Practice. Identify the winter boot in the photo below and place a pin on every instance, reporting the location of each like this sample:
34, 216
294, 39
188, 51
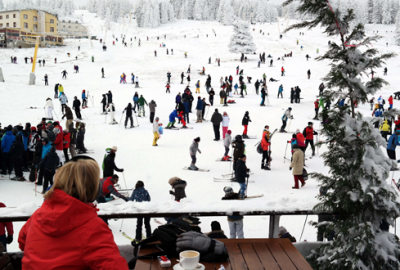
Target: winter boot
244, 136
313, 153
22, 179
192, 167
15, 178
267, 168
262, 166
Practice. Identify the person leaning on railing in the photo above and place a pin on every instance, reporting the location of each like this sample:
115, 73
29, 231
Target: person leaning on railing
65, 232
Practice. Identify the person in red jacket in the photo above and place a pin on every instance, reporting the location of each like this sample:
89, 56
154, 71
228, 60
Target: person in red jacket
10, 231
66, 142
65, 232
390, 100
265, 143
301, 142
58, 144
310, 137
316, 106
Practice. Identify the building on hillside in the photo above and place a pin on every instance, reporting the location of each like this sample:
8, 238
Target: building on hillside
71, 28
18, 27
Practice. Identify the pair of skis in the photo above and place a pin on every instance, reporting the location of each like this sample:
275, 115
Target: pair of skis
230, 177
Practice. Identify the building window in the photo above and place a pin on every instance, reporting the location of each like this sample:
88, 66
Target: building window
1, 17
25, 25
14, 16
34, 18
51, 29
51, 21
7, 25
35, 27
14, 24
64, 26
7, 16
25, 16
69, 26
1, 25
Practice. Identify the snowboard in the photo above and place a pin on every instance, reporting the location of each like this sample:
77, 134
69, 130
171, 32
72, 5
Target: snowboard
199, 170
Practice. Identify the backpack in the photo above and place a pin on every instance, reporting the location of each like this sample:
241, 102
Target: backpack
259, 148
305, 175
167, 235
383, 101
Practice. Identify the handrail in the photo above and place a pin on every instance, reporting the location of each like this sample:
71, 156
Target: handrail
177, 214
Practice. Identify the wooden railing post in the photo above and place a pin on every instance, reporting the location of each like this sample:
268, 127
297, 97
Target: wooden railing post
273, 226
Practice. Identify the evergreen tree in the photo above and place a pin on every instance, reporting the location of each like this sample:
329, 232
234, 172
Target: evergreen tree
386, 13
370, 11
356, 185
225, 13
242, 41
397, 32
377, 12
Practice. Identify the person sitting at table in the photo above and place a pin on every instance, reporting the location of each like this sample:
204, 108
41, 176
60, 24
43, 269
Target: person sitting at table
283, 233
216, 231
235, 222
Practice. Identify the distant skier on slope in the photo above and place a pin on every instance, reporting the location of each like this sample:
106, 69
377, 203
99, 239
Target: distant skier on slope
194, 148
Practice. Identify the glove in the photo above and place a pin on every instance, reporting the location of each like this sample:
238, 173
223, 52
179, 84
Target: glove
10, 238
290, 168
247, 175
315, 133
291, 117
171, 192
122, 170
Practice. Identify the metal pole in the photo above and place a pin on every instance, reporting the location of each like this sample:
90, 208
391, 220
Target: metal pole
121, 118
35, 54
284, 158
85, 115
124, 180
122, 223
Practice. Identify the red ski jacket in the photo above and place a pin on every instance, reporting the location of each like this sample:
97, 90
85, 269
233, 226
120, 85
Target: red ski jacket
390, 100
67, 140
309, 133
6, 225
58, 143
66, 233
264, 141
300, 140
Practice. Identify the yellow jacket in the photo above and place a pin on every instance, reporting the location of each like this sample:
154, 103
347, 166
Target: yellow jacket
385, 126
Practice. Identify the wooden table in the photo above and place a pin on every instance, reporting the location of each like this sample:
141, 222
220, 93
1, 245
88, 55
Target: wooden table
244, 254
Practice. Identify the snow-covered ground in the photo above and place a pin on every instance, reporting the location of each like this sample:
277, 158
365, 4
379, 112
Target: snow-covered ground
155, 165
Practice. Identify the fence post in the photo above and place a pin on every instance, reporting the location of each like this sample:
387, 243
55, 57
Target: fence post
273, 226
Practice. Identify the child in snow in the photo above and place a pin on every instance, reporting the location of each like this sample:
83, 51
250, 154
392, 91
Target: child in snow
140, 194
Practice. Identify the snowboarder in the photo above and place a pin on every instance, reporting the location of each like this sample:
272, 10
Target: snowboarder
128, 116
194, 148
64, 74
285, 117
245, 123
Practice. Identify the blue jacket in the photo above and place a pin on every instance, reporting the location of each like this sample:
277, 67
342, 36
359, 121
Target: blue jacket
236, 86
378, 114
393, 142
173, 115
341, 103
46, 148
140, 195
135, 99
199, 105
280, 89
7, 141
63, 99
186, 105
83, 95
25, 139
178, 99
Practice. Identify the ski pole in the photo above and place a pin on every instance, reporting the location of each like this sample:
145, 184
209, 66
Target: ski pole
289, 124
35, 182
207, 112
124, 180
45, 114
122, 223
284, 158
85, 115
121, 118
137, 120
105, 119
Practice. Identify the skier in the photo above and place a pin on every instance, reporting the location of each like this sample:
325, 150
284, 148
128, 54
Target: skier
385, 71
282, 71
237, 70
280, 90
194, 148
64, 101
136, 101
155, 53
69, 115
392, 144
309, 134
372, 73
241, 173
60, 89
239, 149
167, 88
245, 123
199, 108
137, 82
385, 129
216, 120
225, 124
188, 79
198, 87
152, 107
316, 107
102, 72
390, 100
179, 186
111, 109
50, 107
156, 131
271, 63
297, 166
227, 144
371, 102
56, 91
188, 70
169, 76
285, 117
208, 83
309, 74
236, 89
273, 80
307, 56
257, 86
321, 89
297, 95
211, 94
265, 143
64, 74
46, 82
133, 78
128, 116
76, 105
182, 77
84, 100
141, 102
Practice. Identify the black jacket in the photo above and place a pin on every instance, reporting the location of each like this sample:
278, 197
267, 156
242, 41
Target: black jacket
179, 190
109, 98
81, 135
76, 104
104, 100
50, 161
109, 165
216, 119
17, 150
181, 107
217, 234
241, 171
72, 131
246, 120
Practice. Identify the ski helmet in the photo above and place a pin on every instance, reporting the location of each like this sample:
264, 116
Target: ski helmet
228, 190
238, 138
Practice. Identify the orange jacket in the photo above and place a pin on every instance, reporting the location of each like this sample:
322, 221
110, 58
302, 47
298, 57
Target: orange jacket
265, 140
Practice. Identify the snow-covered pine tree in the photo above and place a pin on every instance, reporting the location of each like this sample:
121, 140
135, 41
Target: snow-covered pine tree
225, 14
397, 32
370, 4
386, 13
261, 13
357, 189
394, 8
1, 5
377, 12
242, 40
